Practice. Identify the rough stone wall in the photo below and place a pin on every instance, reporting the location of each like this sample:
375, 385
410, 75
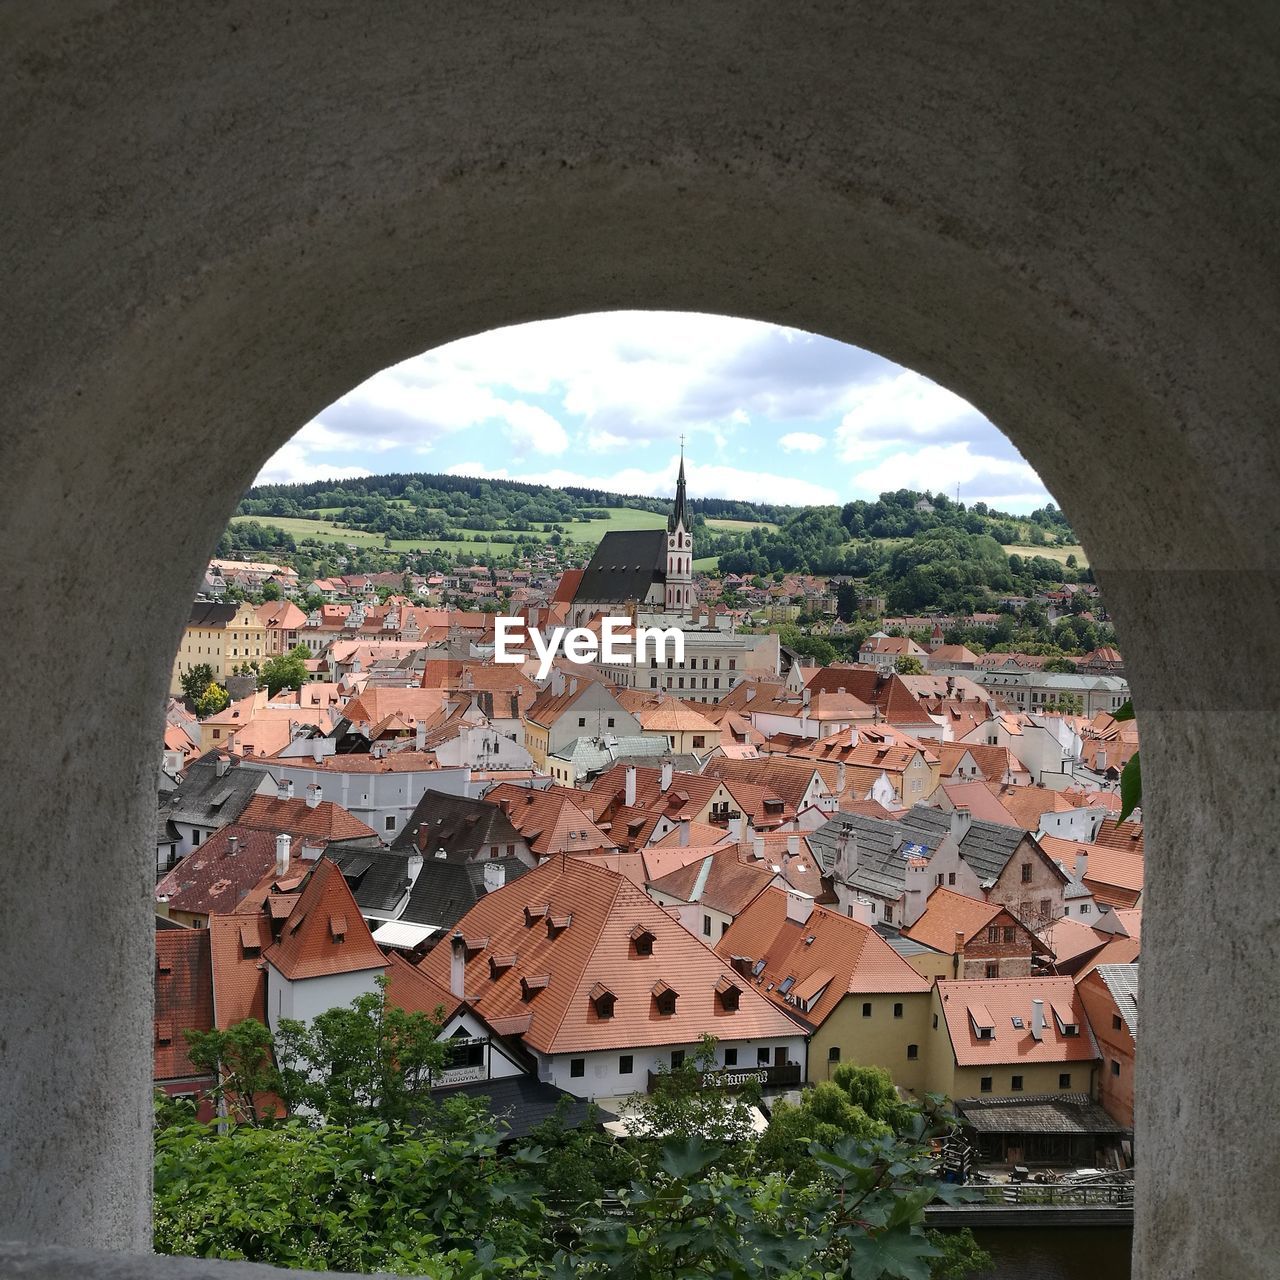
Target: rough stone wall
217, 219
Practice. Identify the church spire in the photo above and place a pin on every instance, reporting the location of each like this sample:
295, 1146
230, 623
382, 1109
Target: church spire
678, 515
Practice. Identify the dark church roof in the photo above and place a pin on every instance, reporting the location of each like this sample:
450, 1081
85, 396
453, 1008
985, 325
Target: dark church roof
626, 564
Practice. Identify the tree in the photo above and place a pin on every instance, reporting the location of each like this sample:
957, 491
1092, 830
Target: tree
270, 591
214, 699
369, 1060
196, 681
285, 670
241, 1061
907, 664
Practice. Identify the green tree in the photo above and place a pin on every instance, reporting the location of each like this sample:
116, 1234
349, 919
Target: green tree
285, 670
214, 699
242, 1063
196, 681
907, 664
270, 591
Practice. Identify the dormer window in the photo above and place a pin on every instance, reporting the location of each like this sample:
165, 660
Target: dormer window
533, 914
664, 999
530, 986
602, 1000
474, 946
728, 993
498, 965
642, 939
984, 1026
1067, 1025
338, 928
556, 925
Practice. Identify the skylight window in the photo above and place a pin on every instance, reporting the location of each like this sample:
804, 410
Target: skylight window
757, 969
786, 984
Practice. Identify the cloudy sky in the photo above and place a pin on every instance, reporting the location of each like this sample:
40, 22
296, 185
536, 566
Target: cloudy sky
770, 414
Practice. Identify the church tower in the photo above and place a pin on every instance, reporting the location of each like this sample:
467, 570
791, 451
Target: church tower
679, 591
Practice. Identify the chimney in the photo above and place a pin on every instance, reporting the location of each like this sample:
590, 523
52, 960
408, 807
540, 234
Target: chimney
282, 855
420, 736
740, 825
413, 867
799, 906
757, 845
220, 767
284, 789
667, 770
1082, 865
458, 965
315, 793
804, 698
840, 778
1037, 1019
317, 750
960, 820
751, 693
684, 833
232, 843
629, 792
793, 845
495, 876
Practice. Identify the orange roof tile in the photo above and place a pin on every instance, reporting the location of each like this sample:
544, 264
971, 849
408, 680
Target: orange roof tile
947, 913
325, 933
856, 956
324, 821
996, 1002
1115, 876
217, 876
410, 989
604, 910
183, 999
721, 880
674, 715
239, 984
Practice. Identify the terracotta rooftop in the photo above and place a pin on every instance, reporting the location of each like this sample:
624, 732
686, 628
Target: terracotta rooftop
721, 880
966, 1005
854, 955
183, 999
239, 985
214, 878
674, 715
554, 970
550, 822
324, 821
946, 914
325, 933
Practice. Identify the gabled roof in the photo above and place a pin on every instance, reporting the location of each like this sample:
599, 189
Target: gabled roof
674, 715
1115, 876
551, 822
212, 614
446, 890
325, 933
1025, 805
1122, 981
946, 914
184, 999
986, 846
215, 878
236, 943
457, 824
602, 910
324, 821
1001, 1000
208, 798
887, 693
790, 779
721, 880
625, 565
844, 956
410, 989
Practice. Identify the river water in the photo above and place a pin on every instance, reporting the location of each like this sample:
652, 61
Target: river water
1057, 1253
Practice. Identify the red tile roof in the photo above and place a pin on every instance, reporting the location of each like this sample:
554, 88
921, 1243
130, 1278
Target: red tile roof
722, 880
549, 821
604, 910
239, 984
410, 989
213, 879
895, 701
324, 821
325, 933
1114, 876
997, 1001
184, 1000
855, 956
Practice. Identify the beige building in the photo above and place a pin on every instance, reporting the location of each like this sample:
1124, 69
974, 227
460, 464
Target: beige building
223, 635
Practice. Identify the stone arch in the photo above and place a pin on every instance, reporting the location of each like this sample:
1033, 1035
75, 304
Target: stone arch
220, 220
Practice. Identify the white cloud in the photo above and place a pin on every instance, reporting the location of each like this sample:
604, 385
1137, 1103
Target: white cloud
529, 427
290, 464
981, 478
801, 442
705, 481
902, 409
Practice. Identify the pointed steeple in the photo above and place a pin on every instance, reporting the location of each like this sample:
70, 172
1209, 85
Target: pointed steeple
678, 515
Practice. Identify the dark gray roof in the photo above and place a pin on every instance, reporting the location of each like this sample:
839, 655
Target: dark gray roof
1122, 982
523, 1102
986, 847
626, 564
883, 847
446, 890
206, 799
377, 877
1067, 1113
457, 825
212, 613
905, 946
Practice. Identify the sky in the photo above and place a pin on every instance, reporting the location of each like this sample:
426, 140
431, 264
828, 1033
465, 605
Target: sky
769, 414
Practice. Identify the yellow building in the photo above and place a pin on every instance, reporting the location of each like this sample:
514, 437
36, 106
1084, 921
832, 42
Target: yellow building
687, 730
223, 635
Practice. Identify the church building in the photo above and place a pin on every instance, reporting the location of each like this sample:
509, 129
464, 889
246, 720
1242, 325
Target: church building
650, 569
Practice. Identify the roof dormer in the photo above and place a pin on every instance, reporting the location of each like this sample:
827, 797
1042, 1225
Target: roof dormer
602, 1000
664, 998
642, 939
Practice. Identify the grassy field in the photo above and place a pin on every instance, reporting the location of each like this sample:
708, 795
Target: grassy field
741, 526
706, 564
1059, 554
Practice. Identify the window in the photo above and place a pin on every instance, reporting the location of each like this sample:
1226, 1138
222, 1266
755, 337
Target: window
993, 933
1115, 1067
706, 926
731, 1057
733, 664
951, 877
699, 740
935, 1022
653, 682
1010, 933
1116, 1022
677, 1059
582, 722
913, 1052
762, 1057
866, 1008
1084, 908
1064, 1080
833, 1054
897, 1009
985, 1084
1045, 907
1015, 1084
993, 969
1026, 873
888, 913
715, 680
938, 877
610, 722
390, 823
625, 1065
577, 1067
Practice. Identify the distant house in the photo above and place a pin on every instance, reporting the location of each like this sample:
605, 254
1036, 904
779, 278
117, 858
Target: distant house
183, 1001
983, 939
1110, 997
213, 792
